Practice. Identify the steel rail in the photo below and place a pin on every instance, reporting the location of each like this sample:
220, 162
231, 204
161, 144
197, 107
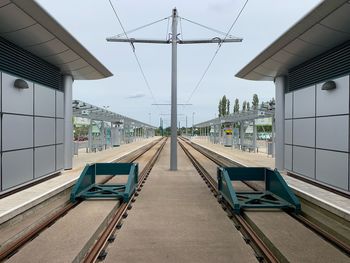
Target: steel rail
344, 247
258, 245
17, 244
98, 251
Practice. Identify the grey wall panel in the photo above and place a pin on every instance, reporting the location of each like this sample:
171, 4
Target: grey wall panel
288, 131
304, 161
59, 104
59, 156
59, 130
44, 161
44, 131
288, 105
333, 133
17, 132
44, 101
331, 102
304, 132
16, 100
304, 102
332, 168
288, 157
17, 168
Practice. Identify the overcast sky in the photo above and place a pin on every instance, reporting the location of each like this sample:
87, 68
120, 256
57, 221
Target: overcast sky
91, 21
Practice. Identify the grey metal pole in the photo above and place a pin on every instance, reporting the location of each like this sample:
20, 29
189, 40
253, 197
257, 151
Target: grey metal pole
173, 145
186, 125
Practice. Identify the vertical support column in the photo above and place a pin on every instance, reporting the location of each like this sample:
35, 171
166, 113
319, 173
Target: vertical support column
273, 136
241, 133
173, 145
90, 137
254, 135
68, 121
280, 84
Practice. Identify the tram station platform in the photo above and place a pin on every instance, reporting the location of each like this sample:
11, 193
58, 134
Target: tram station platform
177, 219
332, 202
17, 203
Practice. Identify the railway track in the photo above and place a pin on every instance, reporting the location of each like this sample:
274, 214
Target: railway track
265, 249
97, 248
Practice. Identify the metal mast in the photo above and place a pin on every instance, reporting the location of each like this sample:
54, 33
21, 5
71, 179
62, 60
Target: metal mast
173, 145
174, 41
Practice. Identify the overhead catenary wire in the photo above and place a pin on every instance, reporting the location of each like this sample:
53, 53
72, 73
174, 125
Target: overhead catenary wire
206, 27
134, 52
141, 27
216, 52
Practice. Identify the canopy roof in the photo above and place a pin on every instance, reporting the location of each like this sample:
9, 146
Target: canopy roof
325, 27
26, 24
238, 117
86, 110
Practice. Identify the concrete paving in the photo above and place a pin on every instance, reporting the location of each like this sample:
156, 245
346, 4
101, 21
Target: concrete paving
70, 237
295, 242
332, 202
177, 219
17, 203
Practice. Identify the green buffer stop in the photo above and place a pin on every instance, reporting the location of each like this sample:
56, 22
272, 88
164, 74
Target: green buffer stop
277, 193
87, 188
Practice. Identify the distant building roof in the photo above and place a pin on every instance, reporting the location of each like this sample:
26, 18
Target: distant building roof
323, 28
26, 24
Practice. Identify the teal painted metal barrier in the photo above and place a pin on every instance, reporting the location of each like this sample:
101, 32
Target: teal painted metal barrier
86, 186
277, 193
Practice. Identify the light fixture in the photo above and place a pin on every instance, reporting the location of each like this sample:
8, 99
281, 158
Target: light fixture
20, 84
329, 85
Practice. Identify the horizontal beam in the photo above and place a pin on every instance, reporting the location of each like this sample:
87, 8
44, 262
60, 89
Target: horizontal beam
208, 41
159, 41
133, 40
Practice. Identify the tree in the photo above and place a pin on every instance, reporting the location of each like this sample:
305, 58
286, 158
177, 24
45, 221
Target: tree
244, 106
236, 106
228, 107
255, 102
223, 105
248, 106
219, 107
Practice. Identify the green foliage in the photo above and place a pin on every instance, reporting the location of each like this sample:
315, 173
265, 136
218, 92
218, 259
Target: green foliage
248, 106
236, 106
244, 106
255, 102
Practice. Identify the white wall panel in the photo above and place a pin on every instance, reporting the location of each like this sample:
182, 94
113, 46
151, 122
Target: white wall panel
288, 131
332, 168
59, 156
59, 104
44, 99
304, 161
304, 102
288, 157
16, 100
288, 105
333, 133
17, 132
304, 132
44, 131
59, 130
44, 160
331, 102
17, 167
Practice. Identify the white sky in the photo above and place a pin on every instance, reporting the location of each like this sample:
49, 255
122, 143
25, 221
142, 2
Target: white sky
90, 22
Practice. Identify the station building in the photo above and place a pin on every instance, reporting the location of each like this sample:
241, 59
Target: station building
39, 60
310, 66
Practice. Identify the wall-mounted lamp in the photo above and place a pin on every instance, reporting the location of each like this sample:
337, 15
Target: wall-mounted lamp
329, 85
20, 84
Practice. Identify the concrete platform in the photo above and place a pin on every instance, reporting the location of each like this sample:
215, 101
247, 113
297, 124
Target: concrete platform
332, 202
17, 203
177, 219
